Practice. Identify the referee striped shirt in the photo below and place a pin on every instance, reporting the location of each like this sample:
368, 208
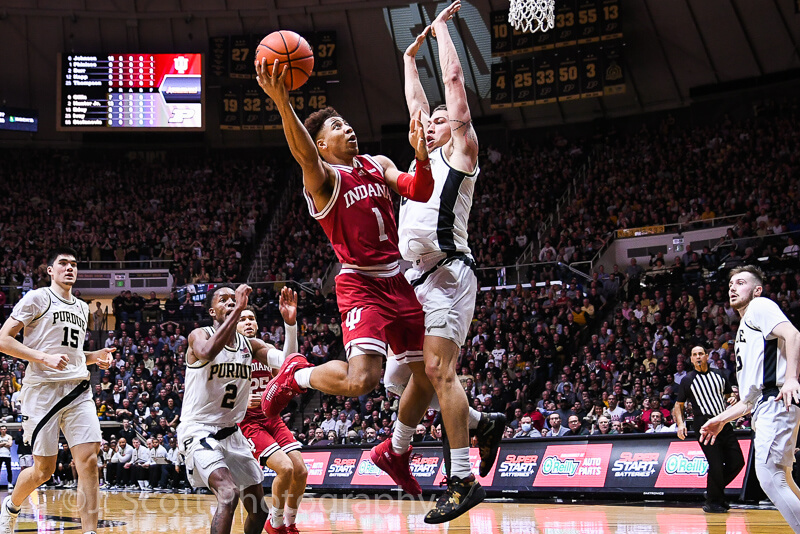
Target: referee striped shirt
706, 391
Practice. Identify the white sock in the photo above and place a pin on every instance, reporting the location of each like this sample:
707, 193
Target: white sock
303, 377
401, 438
276, 517
434, 404
289, 516
10, 505
473, 418
459, 461
141, 484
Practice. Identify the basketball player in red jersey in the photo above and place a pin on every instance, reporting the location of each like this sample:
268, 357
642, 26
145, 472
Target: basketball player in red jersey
349, 195
271, 441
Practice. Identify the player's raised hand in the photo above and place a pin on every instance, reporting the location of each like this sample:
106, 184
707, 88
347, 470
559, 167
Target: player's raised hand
56, 361
241, 294
272, 84
413, 48
287, 304
445, 15
789, 393
416, 137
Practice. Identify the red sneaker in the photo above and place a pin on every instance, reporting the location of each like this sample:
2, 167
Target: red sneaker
292, 529
283, 387
396, 466
272, 530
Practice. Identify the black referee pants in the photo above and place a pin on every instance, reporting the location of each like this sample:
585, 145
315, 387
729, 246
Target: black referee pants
725, 460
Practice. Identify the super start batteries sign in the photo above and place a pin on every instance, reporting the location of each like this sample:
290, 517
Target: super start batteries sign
646, 464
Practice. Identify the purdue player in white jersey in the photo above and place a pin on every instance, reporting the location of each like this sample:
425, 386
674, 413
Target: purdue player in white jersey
433, 236
767, 351
55, 394
216, 397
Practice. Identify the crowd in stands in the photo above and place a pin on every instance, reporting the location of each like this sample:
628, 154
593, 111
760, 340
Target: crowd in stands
598, 355
200, 215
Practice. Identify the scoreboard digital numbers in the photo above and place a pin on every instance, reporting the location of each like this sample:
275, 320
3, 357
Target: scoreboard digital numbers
581, 57
131, 92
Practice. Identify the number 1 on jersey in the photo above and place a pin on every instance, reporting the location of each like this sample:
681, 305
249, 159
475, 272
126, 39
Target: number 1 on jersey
381, 228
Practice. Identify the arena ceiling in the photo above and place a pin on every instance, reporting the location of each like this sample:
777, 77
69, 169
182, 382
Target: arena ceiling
671, 46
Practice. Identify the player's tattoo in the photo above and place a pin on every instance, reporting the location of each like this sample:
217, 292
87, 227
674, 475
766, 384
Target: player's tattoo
461, 124
469, 132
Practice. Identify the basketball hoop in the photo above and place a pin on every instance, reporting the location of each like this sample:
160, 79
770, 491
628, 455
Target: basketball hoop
532, 15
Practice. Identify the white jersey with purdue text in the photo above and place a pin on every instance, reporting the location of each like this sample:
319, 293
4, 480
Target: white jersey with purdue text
53, 326
217, 391
441, 223
760, 356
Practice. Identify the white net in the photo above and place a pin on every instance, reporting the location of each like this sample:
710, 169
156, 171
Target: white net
532, 15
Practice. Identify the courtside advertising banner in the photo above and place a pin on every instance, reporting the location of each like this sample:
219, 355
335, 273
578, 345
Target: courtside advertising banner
640, 464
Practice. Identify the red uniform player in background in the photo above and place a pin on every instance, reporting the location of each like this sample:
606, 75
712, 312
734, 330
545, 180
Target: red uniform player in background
271, 441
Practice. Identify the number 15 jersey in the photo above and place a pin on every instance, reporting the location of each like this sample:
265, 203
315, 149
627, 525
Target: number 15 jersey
359, 218
216, 392
53, 326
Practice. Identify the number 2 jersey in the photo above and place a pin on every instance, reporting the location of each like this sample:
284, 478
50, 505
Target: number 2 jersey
216, 392
760, 356
53, 326
359, 218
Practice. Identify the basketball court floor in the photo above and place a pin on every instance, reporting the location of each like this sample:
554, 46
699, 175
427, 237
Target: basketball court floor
189, 514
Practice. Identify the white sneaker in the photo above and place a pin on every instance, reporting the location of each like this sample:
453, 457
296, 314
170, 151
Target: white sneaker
7, 520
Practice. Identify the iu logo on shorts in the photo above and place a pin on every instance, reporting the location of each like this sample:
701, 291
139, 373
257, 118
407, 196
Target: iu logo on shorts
353, 318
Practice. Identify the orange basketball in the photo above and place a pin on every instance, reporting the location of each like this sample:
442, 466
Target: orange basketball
292, 50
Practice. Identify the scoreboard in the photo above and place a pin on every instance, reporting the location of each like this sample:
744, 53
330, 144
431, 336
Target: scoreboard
244, 106
247, 107
232, 56
132, 91
580, 57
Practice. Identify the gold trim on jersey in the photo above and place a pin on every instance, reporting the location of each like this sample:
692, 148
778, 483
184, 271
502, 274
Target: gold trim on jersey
466, 174
194, 365
74, 300
49, 304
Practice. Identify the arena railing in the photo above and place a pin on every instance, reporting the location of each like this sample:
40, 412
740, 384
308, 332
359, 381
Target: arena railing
134, 265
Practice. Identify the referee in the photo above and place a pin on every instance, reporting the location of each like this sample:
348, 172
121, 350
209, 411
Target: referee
706, 389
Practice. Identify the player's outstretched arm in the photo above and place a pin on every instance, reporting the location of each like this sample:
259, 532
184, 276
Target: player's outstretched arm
790, 391
419, 186
204, 347
415, 96
100, 357
318, 176
269, 355
465, 143
12, 347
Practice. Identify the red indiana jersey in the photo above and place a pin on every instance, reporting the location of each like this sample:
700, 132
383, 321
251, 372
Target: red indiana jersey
359, 218
260, 375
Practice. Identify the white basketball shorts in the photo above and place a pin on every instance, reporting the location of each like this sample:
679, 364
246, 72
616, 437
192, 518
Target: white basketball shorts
50, 406
204, 455
776, 432
448, 299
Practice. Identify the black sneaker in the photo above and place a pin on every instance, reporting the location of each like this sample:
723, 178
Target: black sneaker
461, 495
489, 433
714, 509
